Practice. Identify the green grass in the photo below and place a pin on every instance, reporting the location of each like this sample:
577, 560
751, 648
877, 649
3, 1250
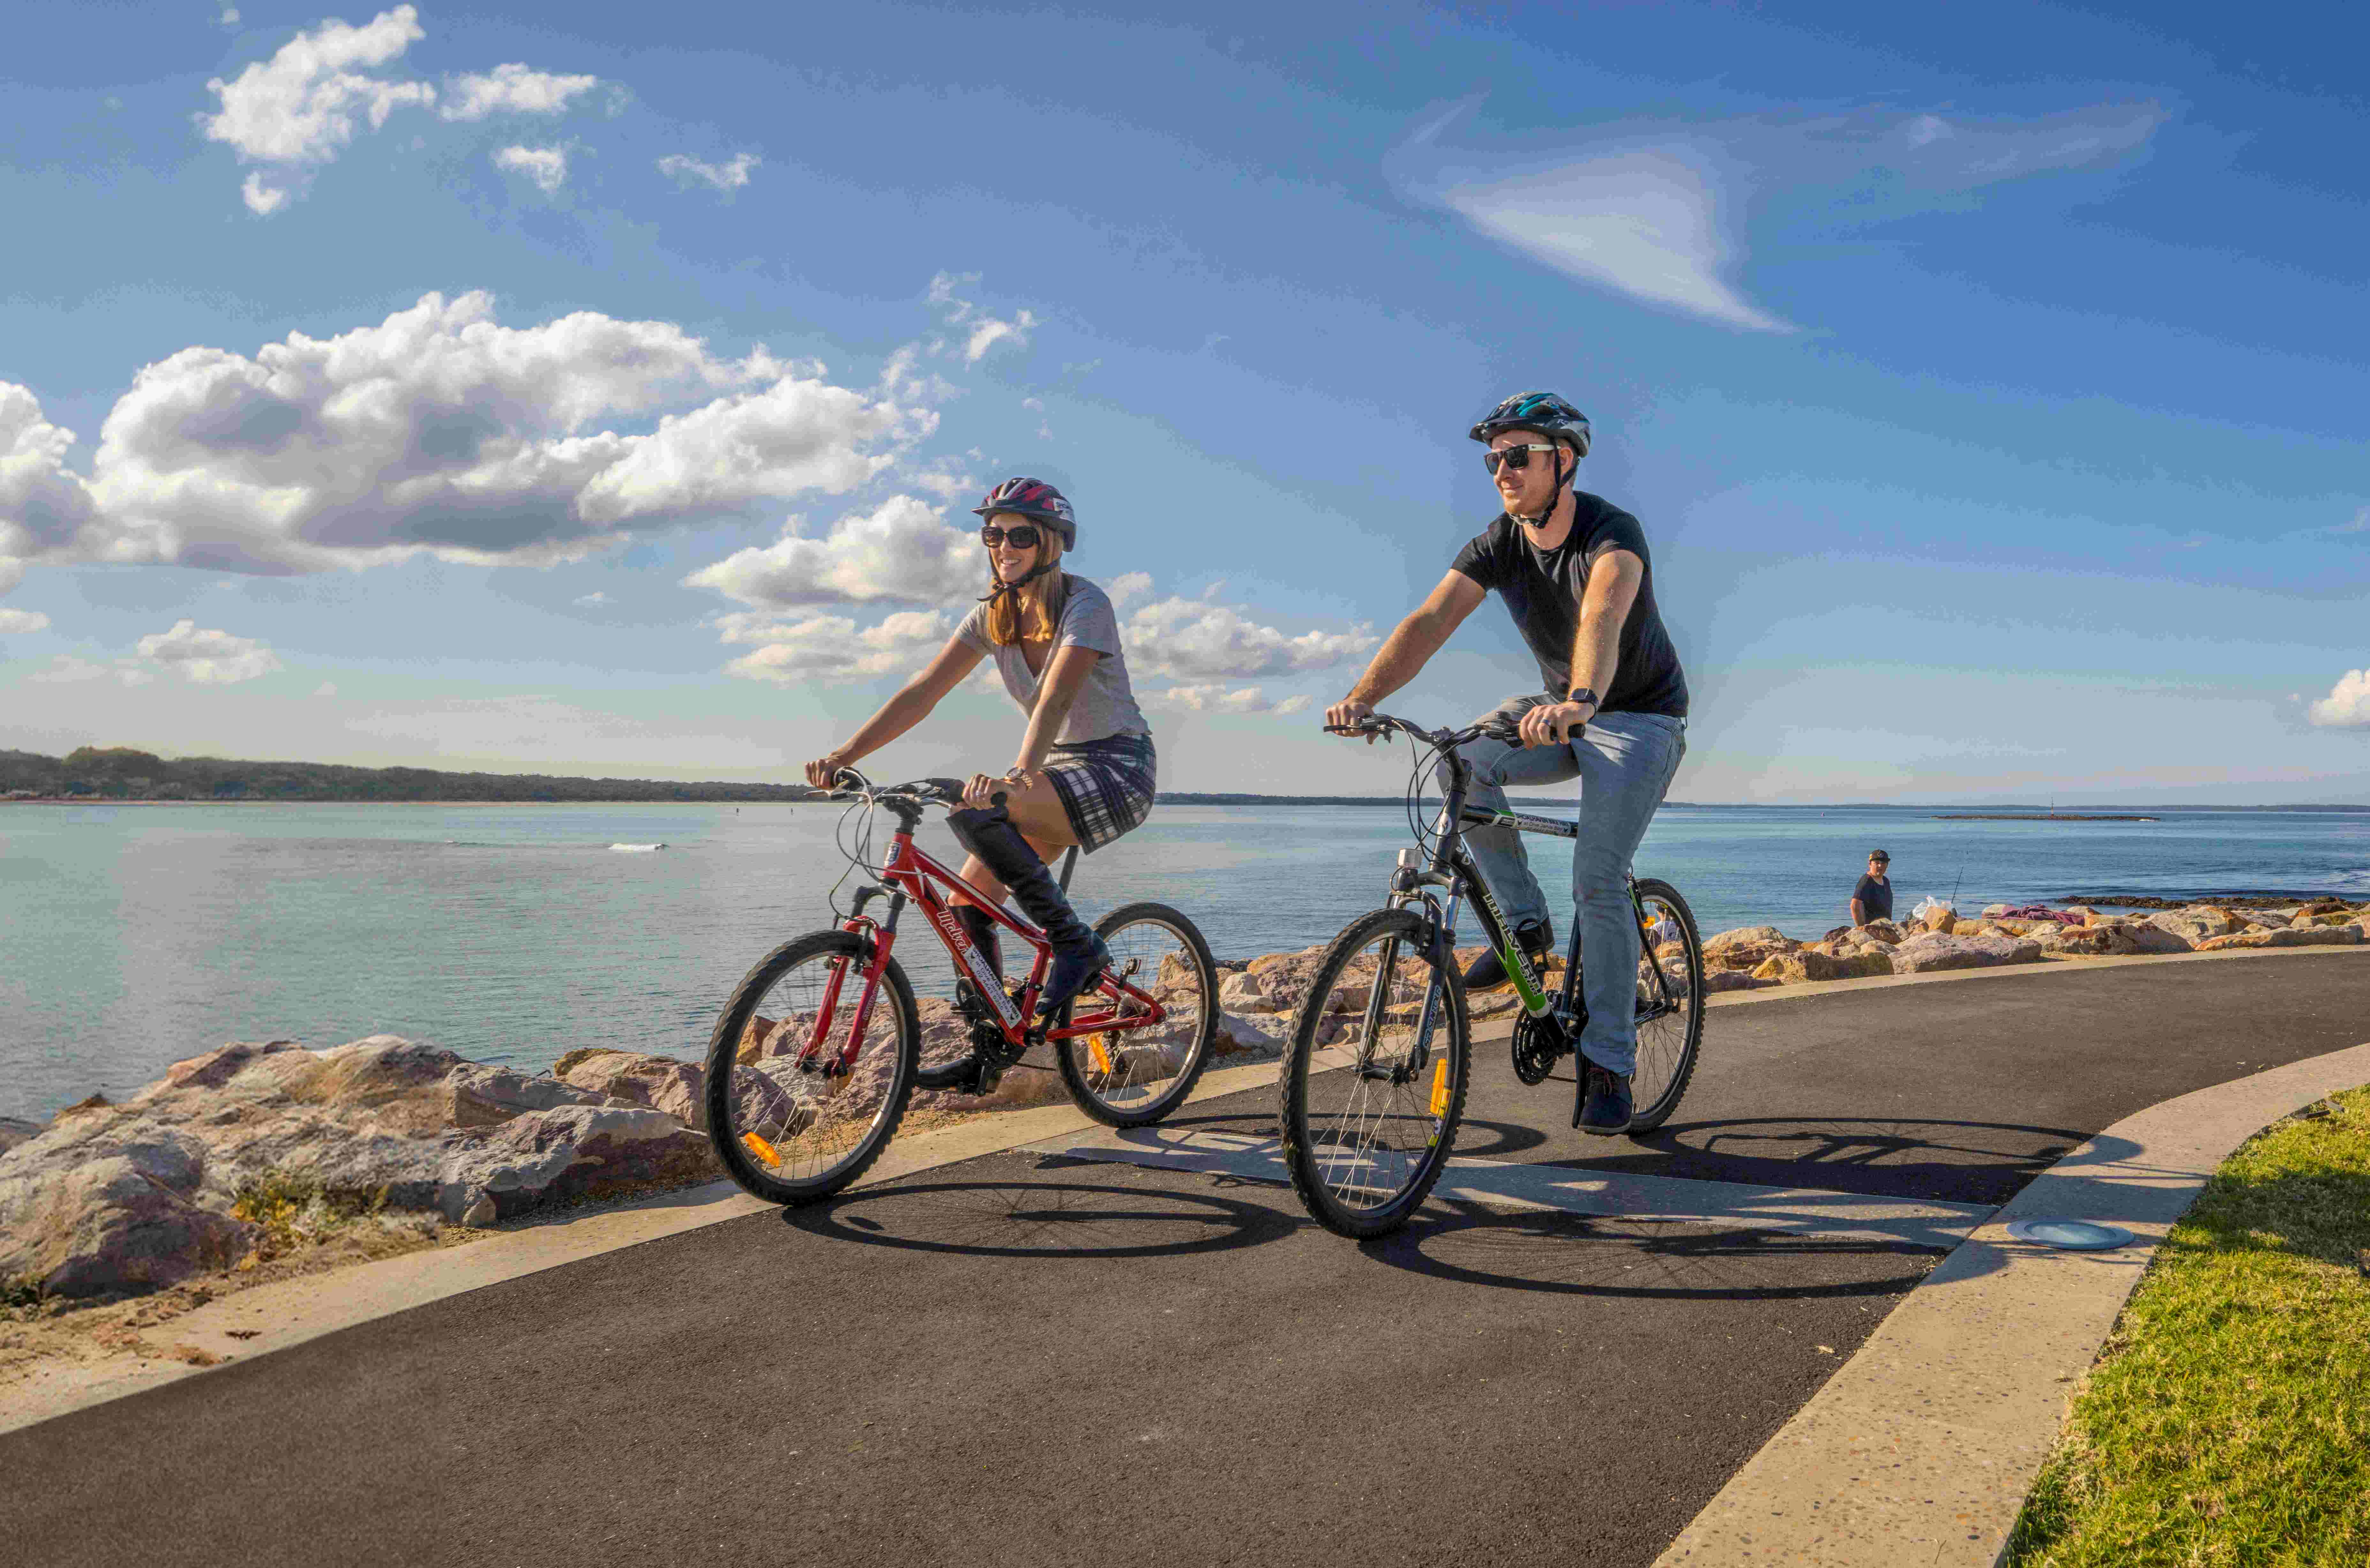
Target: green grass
2227, 1420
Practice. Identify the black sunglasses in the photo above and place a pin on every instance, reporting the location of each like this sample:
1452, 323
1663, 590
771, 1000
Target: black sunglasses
1514, 457
1023, 538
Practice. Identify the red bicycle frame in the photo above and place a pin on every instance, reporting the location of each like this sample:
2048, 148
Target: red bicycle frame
914, 876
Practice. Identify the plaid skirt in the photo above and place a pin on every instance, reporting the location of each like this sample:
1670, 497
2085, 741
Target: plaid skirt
1106, 786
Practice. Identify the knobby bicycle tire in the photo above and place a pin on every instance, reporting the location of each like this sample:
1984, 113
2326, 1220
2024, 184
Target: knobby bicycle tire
1074, 1056
1306, 1152
1646, 1118
724, 1045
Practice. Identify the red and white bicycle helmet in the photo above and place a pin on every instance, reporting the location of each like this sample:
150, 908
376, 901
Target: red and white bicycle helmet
1034, 498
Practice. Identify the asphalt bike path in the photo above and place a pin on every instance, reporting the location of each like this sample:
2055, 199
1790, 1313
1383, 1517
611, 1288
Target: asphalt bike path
1109, 1344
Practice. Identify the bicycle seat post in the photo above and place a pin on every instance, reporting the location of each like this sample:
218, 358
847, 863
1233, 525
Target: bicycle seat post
1069, 863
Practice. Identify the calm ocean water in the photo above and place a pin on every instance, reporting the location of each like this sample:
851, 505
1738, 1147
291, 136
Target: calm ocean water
134, 935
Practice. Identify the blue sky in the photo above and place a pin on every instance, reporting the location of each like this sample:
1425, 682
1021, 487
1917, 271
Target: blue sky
604, 392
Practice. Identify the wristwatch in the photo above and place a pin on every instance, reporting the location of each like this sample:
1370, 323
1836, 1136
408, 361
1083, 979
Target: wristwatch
1587, 694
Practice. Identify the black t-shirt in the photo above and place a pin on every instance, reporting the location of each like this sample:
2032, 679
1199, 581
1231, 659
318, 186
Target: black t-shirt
1543, 590
1874, 896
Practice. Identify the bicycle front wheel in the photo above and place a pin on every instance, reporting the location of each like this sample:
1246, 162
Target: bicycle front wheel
1670, 1004
805, 1085
1374, 1081
1131, 1078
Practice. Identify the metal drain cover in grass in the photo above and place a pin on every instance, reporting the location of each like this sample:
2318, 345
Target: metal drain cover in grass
2073, 1235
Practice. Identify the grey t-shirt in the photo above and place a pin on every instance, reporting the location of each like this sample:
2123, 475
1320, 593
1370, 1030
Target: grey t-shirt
1105, 706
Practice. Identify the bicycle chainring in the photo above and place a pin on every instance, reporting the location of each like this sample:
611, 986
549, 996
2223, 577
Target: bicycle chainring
1539, 1045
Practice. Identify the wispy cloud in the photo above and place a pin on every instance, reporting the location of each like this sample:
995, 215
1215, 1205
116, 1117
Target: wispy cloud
981, 331
208, 658
546, 167
724, 177
1658, 210
16, 623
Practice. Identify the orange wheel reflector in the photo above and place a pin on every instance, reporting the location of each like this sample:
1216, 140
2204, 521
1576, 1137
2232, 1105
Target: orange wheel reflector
762, 1150
1440, 1087
1095, 1049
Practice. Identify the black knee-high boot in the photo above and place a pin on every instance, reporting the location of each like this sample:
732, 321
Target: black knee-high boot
980, 927
1079, 954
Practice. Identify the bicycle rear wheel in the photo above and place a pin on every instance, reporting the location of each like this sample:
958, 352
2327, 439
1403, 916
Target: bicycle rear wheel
1131, 1078
1374, 1080
792, 1114
1670, 1007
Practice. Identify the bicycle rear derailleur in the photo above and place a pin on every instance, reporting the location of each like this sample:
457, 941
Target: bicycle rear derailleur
1539, 1045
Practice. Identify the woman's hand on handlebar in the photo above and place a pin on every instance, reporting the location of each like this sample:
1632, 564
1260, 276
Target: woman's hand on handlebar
823, 771
984, 791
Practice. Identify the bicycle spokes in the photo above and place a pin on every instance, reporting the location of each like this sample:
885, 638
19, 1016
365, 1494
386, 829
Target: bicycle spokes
815, 1070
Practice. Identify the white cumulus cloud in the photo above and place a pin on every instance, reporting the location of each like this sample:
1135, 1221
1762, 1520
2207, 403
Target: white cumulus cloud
438, 431
823, 649
17, 622
44, 506
512, 89
546, 167
2347, 705
687, 171
1218, 697
208, 658
1196, 641
902, 549
303, 105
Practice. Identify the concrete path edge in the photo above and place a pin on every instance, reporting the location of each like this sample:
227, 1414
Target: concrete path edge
1922, 1447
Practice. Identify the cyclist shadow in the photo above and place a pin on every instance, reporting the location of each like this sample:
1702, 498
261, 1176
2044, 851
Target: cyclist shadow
1006, 1218
1955, 1162
1571, 1254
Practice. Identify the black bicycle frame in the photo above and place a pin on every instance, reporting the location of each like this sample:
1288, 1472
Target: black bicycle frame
1453, 867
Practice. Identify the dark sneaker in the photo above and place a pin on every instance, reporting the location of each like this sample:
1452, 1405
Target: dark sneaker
1604, 1108
962, 1075
1488, 974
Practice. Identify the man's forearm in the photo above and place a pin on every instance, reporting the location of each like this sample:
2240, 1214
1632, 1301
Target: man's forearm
1595, 654
1859, 912
1403, 655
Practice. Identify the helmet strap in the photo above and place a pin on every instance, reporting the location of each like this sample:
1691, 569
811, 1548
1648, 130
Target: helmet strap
1563, 479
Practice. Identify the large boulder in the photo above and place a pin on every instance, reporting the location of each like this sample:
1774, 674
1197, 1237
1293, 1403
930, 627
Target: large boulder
2115, 939
2285, 936
571, 1153
1746, 948
2197, 923
660, 1083
99, 1205
130, 1197
1935, 950
1795, 968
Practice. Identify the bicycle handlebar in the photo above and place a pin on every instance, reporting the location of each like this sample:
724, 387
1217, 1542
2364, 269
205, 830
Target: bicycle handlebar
1445, 740
850, 785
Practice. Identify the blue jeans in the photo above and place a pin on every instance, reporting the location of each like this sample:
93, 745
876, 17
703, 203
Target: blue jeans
1624, 763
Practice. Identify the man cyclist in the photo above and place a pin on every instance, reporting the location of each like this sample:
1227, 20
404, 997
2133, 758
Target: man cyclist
1574, 571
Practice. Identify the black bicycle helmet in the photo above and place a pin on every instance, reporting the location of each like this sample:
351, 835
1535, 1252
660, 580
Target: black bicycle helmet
1035, 498
1541, 411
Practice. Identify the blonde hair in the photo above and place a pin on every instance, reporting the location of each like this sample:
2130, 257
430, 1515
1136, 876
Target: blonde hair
1030, 612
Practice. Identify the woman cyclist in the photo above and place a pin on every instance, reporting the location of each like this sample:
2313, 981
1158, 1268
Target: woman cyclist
1084, 774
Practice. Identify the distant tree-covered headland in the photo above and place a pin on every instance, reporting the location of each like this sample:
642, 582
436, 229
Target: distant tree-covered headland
119, 773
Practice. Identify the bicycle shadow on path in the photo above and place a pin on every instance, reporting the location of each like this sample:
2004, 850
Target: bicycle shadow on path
1571, 1254
1000, 1217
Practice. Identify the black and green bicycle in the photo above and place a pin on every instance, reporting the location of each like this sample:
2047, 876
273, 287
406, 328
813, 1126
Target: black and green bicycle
1381, 1050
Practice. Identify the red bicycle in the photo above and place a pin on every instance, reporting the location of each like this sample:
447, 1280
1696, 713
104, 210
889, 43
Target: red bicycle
815, 1054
